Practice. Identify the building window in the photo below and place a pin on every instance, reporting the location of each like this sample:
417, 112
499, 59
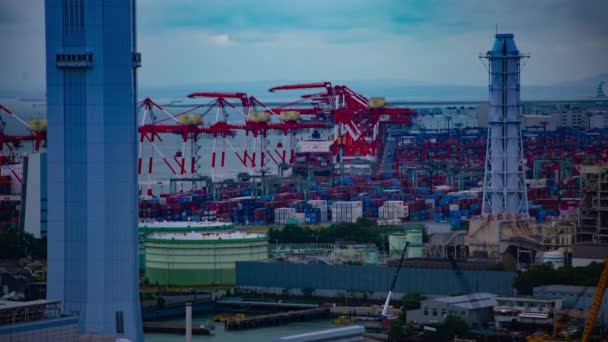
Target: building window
426, 312
463, 313
443, 312
434, 312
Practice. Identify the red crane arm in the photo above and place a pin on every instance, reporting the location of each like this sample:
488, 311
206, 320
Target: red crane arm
5, 109
326, 85
149, 103
220, 95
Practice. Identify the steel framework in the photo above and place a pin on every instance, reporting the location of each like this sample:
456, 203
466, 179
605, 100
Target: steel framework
504, 188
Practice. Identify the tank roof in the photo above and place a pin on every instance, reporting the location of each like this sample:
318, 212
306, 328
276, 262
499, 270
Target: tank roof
184, 224
203, 236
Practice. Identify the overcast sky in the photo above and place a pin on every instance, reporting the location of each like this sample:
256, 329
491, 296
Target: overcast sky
193, 41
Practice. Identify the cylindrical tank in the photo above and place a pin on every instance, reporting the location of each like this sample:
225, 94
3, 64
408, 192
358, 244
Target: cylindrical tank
415, 252
200, 258
396, 242
555, 258
370, 256
146, 228
414, 237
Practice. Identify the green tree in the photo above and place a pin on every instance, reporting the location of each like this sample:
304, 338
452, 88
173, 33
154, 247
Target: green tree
15, 245
308, 292
411, 301
454, 325
396, 330
545, 275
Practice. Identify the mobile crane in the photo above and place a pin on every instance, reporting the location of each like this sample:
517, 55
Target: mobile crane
596, 304
384, 314
593, 310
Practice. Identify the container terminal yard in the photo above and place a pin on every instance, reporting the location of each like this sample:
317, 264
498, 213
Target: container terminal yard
395, 221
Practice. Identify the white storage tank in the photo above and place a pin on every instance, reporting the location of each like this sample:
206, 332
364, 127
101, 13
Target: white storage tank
454, 207
396, 242
415, 252
370, 256
414, 237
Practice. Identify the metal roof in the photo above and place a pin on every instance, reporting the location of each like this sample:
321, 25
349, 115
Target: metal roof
565, 288
470, 301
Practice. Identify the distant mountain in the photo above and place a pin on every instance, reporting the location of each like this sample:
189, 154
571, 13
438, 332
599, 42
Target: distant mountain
401, 89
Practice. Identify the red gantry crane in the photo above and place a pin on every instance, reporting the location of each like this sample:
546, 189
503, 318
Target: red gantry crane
358, 121
13, 143
253, 118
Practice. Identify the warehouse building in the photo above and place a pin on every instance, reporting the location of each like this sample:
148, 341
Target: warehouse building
475, 309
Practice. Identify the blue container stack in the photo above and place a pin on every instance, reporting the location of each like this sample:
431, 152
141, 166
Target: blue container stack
311, 215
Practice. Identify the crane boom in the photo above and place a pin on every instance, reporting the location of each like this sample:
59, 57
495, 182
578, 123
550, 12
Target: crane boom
395, 277
597, 302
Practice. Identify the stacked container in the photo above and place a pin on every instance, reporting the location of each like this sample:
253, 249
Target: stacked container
392, 210
322, 206
284, 215
346, 211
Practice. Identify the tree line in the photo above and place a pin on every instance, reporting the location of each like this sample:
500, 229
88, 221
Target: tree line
15, 245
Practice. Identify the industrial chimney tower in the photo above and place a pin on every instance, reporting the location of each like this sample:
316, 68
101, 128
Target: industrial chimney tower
504, 187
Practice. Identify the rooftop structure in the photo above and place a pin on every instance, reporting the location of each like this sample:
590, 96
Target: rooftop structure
504, 190
91, 63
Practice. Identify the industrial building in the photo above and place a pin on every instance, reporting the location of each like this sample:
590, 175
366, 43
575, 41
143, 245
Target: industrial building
573, 298
36, 321
475, 309
592, 224
574, 118
591, 234
200, 258
525, 310
91, 61
351, 253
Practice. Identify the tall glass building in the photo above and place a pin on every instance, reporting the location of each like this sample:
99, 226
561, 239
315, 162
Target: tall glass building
91, 63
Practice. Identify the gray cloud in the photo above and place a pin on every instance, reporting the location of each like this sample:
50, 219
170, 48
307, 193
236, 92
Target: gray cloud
436, 41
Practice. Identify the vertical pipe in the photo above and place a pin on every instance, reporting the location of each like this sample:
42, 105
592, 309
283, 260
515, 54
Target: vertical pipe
188, 322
